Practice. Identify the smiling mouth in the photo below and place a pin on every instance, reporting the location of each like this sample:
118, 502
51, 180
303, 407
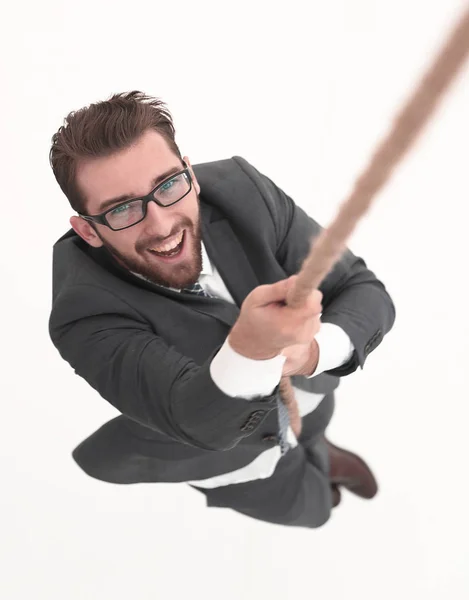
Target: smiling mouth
171, 253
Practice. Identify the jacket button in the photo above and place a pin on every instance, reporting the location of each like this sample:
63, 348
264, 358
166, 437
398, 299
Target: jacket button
270, 438
253, 421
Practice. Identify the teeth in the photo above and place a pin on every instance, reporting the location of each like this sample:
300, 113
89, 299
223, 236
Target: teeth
171, 246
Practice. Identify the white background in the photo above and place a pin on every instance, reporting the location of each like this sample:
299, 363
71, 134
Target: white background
304, 91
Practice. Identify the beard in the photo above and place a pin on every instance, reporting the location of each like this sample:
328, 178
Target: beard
179, 275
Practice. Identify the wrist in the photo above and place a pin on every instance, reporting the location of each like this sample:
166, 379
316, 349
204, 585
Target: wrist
311, 365
241, 345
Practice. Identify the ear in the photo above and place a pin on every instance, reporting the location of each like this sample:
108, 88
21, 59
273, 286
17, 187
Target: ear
194, 178
85, 230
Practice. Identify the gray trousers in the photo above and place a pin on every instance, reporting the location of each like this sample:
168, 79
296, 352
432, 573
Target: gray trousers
298, 493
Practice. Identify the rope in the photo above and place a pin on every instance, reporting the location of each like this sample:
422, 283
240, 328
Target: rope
329, 245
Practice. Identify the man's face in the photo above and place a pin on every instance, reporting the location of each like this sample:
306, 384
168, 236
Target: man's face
132, 172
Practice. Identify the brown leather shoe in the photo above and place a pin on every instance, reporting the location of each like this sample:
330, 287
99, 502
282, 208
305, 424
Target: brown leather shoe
349, 470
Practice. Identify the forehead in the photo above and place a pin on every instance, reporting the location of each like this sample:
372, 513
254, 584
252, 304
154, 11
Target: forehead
128, 171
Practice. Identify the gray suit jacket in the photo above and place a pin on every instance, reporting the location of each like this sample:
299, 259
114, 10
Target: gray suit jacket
147, 350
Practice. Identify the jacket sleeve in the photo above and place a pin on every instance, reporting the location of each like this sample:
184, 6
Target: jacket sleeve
353, 298
149, 381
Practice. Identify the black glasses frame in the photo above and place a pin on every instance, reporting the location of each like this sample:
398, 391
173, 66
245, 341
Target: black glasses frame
102, 220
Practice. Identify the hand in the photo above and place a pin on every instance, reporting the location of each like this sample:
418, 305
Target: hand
302, 359
266, 324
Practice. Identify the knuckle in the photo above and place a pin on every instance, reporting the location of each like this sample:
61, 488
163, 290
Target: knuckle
318, 297
313, 305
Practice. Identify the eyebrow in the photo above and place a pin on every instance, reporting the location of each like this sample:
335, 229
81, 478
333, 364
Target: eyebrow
154, 182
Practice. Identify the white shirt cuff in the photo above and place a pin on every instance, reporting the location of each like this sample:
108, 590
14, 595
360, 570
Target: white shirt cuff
335, 348
237, 375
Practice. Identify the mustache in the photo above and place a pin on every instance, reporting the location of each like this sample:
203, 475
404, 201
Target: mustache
152, 242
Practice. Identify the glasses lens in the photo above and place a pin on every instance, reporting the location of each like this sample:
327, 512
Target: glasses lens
125, 214
173, 189
130, 213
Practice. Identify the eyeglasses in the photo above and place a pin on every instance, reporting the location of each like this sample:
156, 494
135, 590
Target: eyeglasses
131, 212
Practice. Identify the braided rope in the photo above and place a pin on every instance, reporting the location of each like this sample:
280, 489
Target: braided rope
327, 248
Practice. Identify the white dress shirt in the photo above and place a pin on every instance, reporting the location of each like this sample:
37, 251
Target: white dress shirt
236, 375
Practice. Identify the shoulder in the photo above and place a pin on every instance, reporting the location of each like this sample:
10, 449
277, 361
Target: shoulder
235, 168
238, 180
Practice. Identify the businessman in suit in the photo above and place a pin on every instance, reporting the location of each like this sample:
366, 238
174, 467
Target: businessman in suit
149, 291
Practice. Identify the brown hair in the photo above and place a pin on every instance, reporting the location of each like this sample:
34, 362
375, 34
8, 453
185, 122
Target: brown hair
103, 128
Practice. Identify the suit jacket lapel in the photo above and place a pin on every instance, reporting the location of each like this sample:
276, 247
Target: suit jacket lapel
227, 254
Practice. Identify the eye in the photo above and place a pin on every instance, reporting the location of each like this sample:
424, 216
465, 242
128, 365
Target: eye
120, 209
167, 186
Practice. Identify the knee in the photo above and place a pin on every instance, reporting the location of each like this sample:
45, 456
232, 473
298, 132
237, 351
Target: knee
313, 511
319, 517
310, 521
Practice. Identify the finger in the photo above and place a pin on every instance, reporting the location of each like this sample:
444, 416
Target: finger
276, 292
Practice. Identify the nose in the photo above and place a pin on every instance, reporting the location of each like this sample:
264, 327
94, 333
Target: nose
153, 210
159, 219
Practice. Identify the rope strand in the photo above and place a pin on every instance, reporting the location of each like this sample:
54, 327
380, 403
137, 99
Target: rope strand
328, 247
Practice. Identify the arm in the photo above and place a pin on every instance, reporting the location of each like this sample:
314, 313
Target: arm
108, 344
353, 298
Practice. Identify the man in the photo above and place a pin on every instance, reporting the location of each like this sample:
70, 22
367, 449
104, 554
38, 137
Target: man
149, 284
